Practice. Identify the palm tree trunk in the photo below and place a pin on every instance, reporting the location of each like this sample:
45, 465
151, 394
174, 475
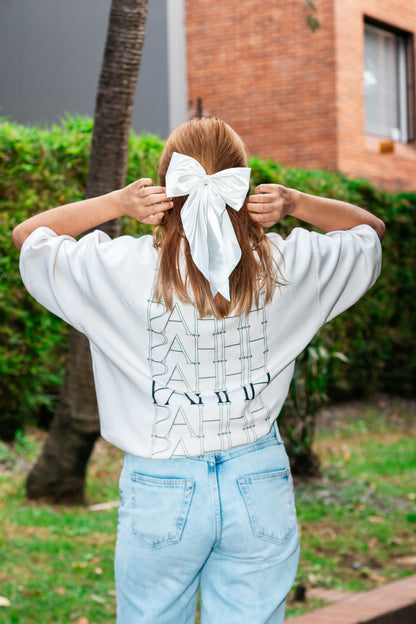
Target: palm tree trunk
59, 473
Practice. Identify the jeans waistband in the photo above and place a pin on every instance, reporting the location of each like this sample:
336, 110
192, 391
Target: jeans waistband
272, 437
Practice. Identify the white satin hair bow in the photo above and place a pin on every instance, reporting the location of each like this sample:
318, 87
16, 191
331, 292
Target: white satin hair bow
212, 240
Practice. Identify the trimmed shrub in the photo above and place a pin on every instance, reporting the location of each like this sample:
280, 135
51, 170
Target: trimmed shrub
377, 333
44, 167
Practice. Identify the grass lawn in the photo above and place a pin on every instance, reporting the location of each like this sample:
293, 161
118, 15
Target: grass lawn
358, 522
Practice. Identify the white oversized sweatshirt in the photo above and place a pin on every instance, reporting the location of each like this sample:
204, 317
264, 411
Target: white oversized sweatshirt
172, 384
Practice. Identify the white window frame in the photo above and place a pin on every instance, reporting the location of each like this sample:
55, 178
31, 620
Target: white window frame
401, 131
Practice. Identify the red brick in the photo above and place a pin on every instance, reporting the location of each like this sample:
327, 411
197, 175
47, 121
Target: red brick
364, 607
295, 96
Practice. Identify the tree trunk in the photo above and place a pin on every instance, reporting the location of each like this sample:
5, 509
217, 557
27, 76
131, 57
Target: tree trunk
59, 473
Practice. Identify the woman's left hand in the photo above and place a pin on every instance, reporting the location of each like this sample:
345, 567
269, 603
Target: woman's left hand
141, 200
145, 202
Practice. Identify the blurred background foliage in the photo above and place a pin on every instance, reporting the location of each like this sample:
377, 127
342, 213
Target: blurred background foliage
367, 350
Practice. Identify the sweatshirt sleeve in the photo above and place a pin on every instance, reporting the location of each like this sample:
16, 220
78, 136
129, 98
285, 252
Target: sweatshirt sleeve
347, 264
53, 271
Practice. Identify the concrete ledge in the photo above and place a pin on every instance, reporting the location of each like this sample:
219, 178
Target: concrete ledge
394, 603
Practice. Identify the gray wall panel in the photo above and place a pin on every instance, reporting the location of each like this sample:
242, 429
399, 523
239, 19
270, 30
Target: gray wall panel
50, 58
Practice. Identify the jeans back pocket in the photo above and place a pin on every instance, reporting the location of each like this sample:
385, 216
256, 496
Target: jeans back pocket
159, 509
270, 504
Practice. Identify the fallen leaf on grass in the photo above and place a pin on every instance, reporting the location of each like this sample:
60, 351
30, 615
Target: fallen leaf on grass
112, 592
102, 474
83, 620
80, 564
32, 592
4, 602
373, 543
96, 598
395, 541
60, 590
104, 506
98, 570
376, 519
373, 576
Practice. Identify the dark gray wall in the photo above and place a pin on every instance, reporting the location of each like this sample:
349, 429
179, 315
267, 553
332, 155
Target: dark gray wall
50, 59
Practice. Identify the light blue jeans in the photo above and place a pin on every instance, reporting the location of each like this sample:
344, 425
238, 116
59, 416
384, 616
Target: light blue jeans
224, 522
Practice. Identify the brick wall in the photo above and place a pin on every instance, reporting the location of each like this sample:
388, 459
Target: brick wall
359, 155
295, 96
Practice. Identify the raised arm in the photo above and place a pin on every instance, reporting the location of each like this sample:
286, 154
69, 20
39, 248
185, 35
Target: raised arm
272, 202
140, 200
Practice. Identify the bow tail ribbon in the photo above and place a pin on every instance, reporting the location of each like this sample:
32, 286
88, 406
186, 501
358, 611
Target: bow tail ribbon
224, 255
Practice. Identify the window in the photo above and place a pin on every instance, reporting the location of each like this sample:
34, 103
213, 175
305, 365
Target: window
389, 99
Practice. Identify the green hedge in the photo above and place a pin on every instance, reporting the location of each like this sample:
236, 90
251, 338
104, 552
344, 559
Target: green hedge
41, 168
44, 167
377, 334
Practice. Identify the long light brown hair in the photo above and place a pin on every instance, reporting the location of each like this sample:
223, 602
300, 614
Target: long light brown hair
215, 145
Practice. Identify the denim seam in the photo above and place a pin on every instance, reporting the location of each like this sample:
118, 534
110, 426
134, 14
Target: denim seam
216, 458
213, 477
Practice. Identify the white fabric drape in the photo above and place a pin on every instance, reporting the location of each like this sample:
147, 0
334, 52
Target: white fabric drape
212, 240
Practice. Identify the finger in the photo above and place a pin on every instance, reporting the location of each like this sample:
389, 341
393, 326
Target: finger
163, 206
143, 182
263, 209
148, 190
151, 200
157, 208
264, 216
265, 188
262, 221
256, 216
154, 219
264, 198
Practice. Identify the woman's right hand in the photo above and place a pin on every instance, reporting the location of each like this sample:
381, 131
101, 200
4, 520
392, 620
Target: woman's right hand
270, 203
